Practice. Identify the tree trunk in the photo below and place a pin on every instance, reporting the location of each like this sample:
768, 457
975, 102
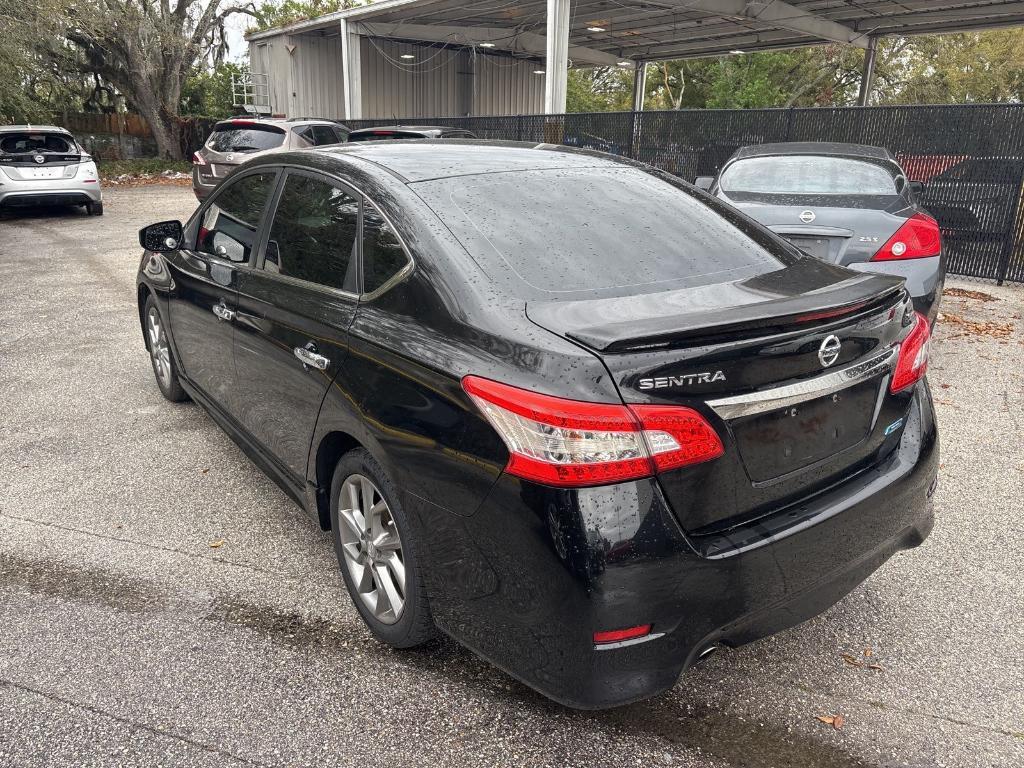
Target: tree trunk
166, 131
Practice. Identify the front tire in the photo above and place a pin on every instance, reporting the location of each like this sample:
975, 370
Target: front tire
377, 552
160, 356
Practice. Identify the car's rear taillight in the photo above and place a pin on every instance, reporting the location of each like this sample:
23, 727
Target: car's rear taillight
569, 443
197, 159
917, 238
912, 362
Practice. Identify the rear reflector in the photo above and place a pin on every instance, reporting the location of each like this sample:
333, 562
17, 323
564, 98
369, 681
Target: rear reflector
912, 362
918, 238
618, 635
571, 443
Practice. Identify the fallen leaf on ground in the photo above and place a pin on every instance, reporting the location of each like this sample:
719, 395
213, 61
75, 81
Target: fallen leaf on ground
868, 652
852, 660
944, 386
976, 328
836, 721
217, 544
206, 470
964, 293
876, 667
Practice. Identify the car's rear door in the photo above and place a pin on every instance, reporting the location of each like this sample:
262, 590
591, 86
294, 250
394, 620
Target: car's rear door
294, 311
220, 243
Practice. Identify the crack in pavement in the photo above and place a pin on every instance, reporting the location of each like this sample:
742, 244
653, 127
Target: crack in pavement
132, 723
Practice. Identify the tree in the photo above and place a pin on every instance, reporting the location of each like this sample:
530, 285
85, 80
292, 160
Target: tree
273, 14
207, 92
145, 49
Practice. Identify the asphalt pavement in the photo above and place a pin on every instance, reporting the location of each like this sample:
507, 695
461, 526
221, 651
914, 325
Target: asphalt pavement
163, 603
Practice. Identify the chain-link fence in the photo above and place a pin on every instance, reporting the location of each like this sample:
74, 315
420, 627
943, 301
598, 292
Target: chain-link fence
970, 157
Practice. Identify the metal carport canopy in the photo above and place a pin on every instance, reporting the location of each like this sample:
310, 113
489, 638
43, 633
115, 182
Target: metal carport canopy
606, 32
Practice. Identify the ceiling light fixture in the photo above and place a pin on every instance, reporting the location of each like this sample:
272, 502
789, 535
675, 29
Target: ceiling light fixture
736, 52
407, 56
538, 71
596, 29
625, 63
486, 45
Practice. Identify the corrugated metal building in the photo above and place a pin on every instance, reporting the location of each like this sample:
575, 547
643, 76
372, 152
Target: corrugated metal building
305, 77
450, 58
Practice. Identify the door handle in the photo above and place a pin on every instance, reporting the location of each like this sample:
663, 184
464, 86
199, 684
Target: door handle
221, 311
309, 357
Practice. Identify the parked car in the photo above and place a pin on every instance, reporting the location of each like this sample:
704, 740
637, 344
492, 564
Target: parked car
45, 165
238, 139
389, 132
844, 204
590, 422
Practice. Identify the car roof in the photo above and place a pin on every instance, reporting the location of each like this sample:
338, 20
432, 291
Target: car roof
410, 128
423, 159
279, 122
31, 128
833, 148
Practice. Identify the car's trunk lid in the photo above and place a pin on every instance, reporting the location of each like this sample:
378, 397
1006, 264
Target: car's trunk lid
840, 229
753, 356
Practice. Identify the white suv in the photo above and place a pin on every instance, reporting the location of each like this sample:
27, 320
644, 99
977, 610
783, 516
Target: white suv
45, 165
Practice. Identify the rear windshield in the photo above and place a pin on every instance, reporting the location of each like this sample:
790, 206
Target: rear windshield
383, 135
247, 137
807, 175
14, 143
598, 229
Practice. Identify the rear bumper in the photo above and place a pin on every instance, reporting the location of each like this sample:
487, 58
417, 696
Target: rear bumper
925, 279
21, 195
528, 578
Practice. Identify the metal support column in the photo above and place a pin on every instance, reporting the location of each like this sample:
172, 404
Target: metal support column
351, 74
639, 85
556, 66
868, 73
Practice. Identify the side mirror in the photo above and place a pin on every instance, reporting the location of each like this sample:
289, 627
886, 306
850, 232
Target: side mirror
704, 182
917, 187
161, 237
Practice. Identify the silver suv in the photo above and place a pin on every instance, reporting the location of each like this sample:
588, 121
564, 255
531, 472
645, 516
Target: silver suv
45, 165
239, 139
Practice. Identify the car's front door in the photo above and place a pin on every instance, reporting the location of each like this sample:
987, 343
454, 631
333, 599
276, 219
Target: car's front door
220, 242
294, 311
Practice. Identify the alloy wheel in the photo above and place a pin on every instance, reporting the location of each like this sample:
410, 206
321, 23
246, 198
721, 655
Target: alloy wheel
158, 348
372, 548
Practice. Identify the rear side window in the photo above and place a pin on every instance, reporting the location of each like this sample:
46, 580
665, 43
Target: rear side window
16, 143
313, 236
229, 224
323, 134
807, 175
245, 136
598, 229
383, 255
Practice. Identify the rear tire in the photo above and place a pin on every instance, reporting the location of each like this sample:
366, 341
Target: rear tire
164, 367
94, 209
377, 552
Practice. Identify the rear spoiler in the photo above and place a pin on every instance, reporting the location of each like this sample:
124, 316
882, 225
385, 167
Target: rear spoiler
665, 325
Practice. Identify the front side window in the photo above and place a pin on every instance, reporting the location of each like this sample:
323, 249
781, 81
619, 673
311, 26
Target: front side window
383, 255
313, 235
807, 175
229, 224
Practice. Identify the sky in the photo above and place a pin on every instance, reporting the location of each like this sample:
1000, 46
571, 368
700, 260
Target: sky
235, 26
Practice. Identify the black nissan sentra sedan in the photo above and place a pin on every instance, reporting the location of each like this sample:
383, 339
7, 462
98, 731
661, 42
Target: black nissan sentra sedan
589, 421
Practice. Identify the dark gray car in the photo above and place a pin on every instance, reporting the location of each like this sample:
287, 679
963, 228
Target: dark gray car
847, 204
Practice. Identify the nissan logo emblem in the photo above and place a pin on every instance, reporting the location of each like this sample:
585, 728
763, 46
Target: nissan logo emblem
39, 159
807, 216
828, 352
